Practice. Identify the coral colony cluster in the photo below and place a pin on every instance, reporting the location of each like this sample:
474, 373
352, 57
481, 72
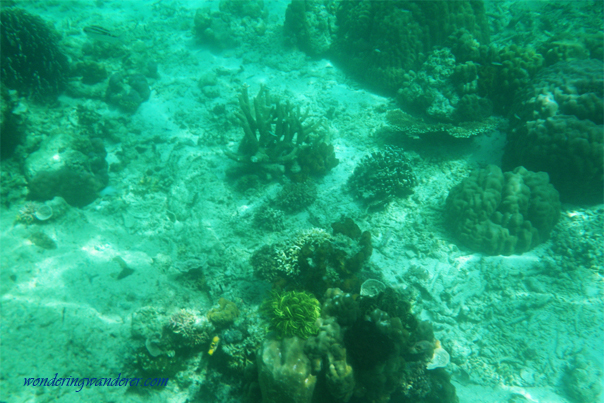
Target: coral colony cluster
325, 332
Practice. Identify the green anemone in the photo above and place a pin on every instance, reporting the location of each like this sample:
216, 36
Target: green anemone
292, 313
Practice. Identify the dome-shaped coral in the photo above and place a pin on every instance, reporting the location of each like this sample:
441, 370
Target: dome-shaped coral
559, 130
502, 214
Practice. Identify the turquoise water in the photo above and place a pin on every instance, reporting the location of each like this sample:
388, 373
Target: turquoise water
221, 201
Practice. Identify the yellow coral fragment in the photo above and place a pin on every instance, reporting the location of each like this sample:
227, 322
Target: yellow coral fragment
214, 345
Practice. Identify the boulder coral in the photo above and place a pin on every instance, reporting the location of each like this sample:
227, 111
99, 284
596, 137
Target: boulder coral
500, 213
559, 129
31, 60
379, 41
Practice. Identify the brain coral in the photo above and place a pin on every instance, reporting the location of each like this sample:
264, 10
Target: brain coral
503, 214
560, 130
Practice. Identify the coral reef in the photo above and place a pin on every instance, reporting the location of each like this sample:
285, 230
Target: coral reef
401, 126
33, 211
444, 90
381, 177
269, 219
316, 260
31, 60
285, 372
12, 133
365, 347
576, 242
559, 129
503, 72
295, 197
232, 25
224, 315
91, 72
164, 343
315, 160
582, 380
189, 328
378, 42
503, 214
14, 185
310, 25
77, 174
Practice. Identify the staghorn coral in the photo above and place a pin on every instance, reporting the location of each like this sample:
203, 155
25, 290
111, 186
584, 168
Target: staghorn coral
274, 134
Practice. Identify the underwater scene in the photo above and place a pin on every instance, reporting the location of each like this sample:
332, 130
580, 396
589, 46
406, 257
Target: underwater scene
298, 201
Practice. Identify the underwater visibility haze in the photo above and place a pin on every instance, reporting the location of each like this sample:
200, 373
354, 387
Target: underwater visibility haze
307, 201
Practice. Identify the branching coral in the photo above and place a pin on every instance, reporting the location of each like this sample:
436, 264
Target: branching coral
274, 133
292, 313
271, 130
381, 177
